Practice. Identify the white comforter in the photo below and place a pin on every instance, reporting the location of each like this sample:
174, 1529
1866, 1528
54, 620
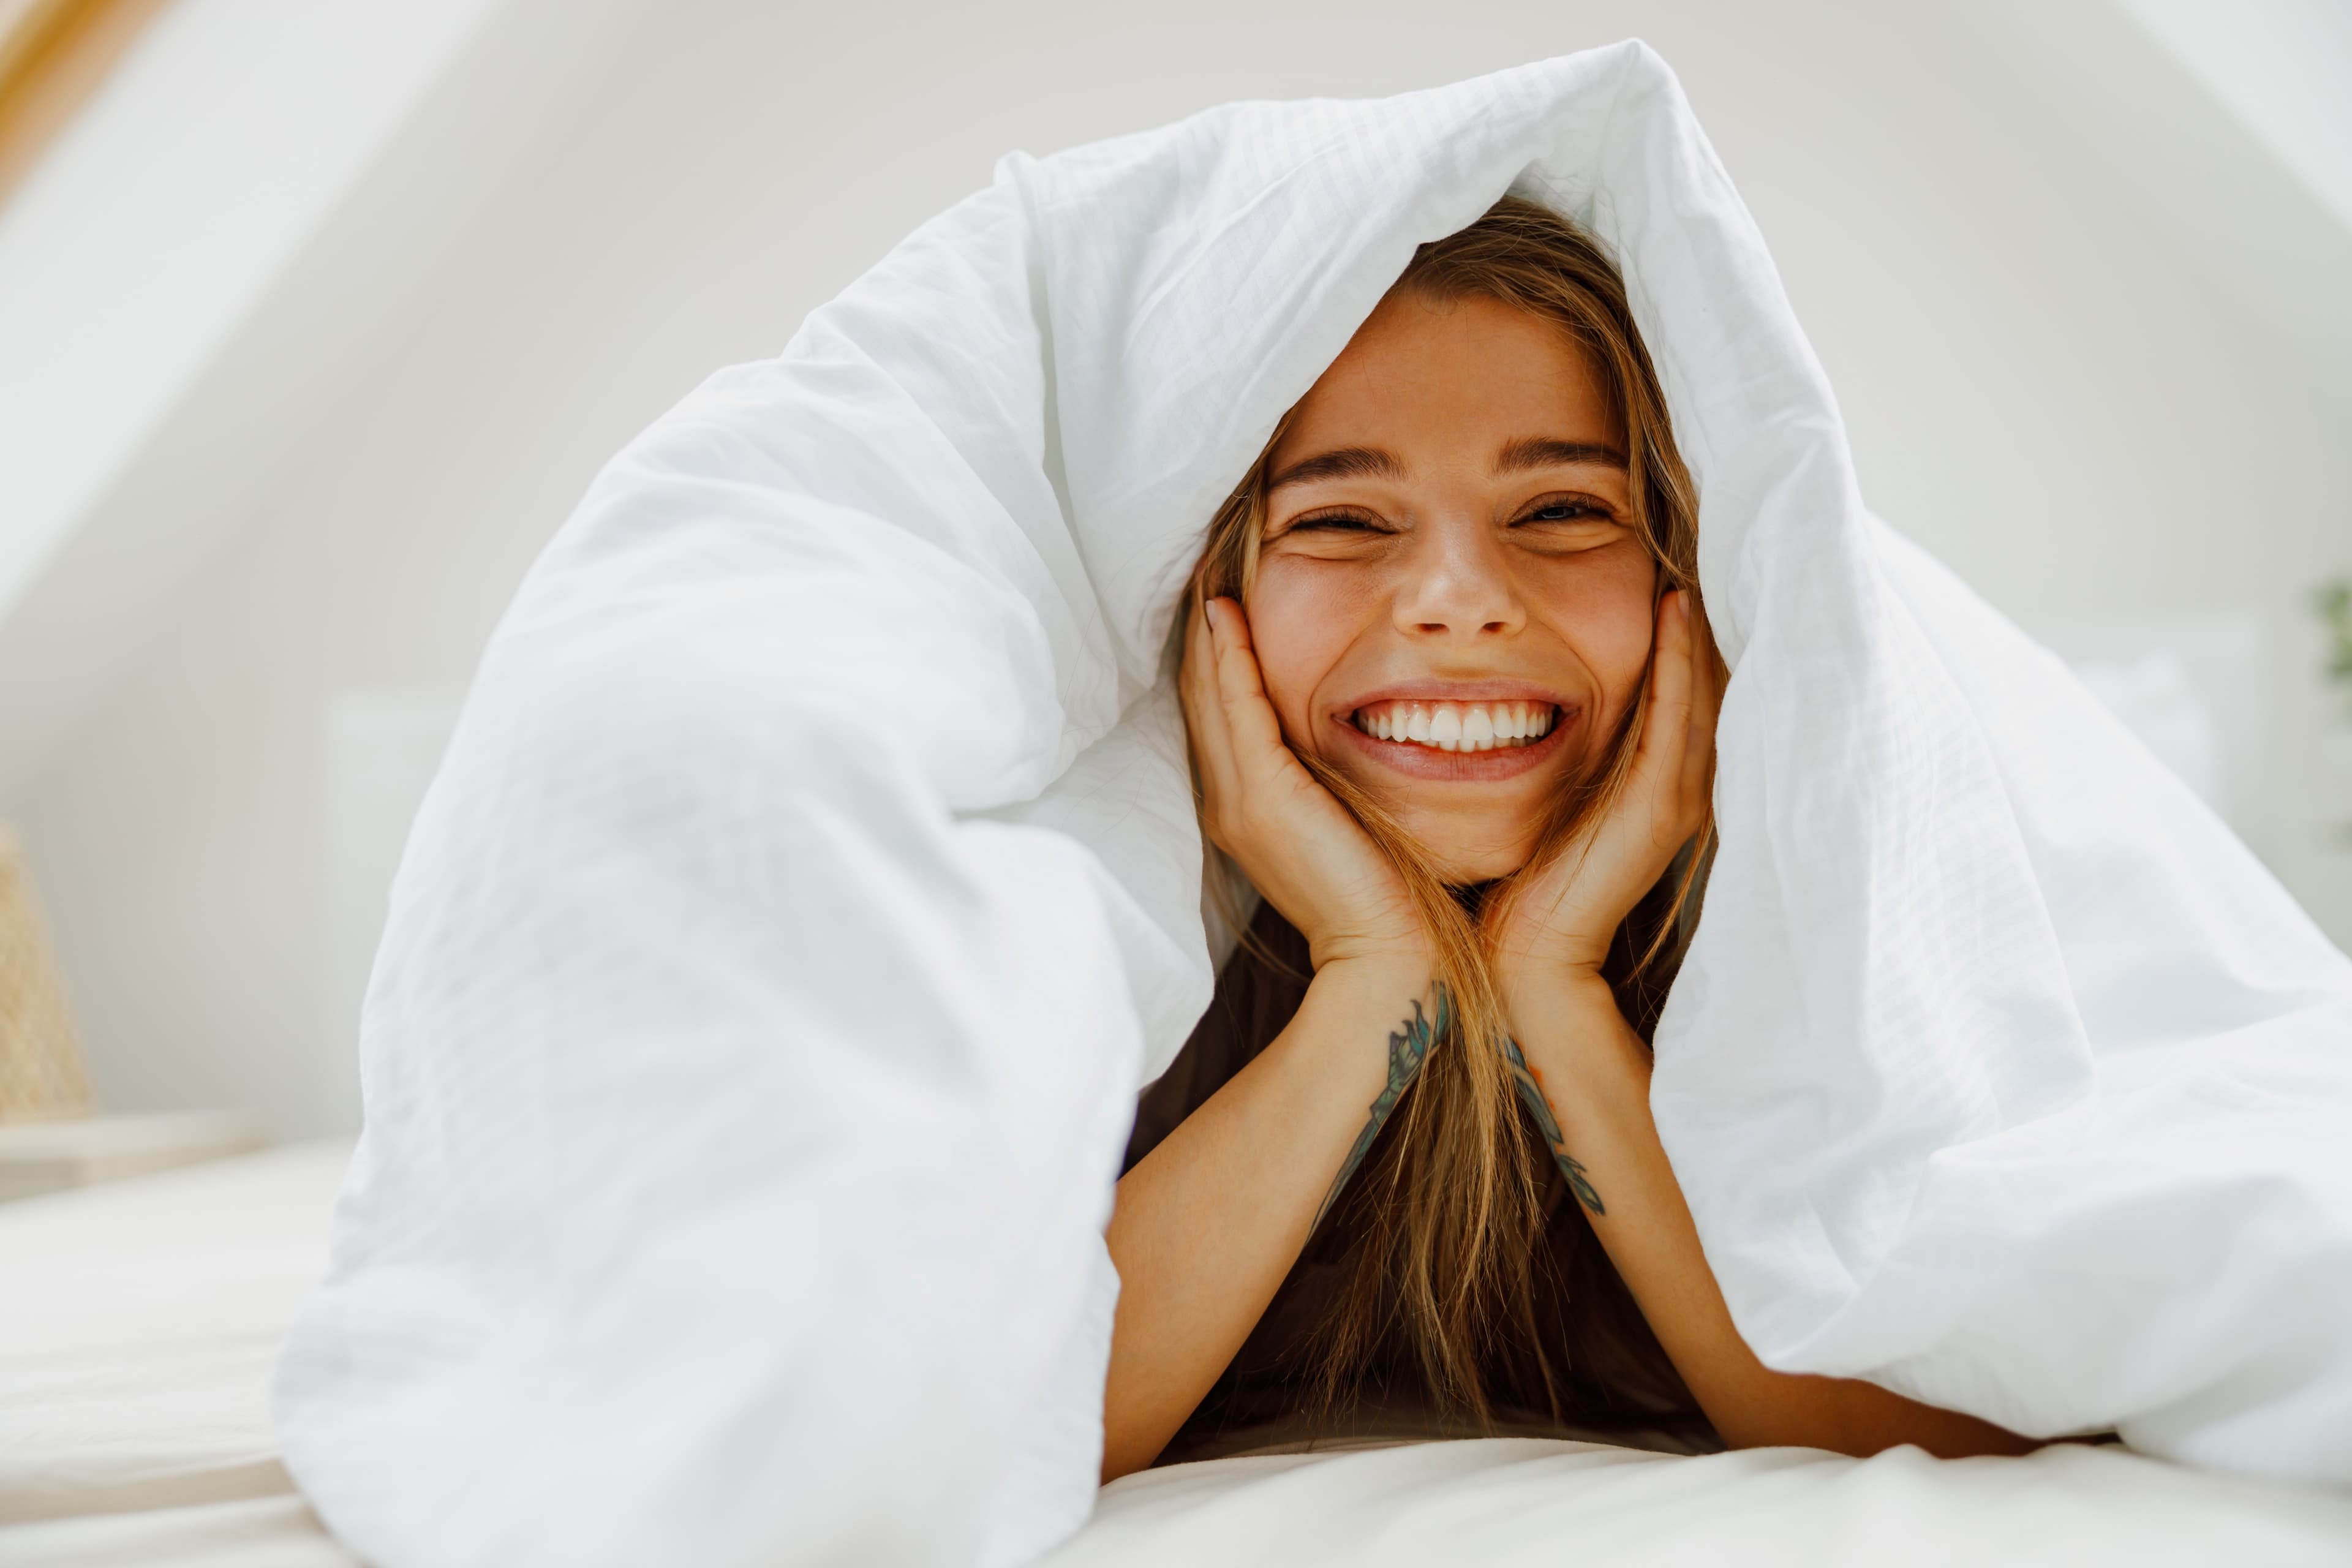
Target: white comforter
141, 1322
813, 880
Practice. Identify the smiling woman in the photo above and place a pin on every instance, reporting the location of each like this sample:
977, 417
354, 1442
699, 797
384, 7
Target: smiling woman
1490, 465
1452, 709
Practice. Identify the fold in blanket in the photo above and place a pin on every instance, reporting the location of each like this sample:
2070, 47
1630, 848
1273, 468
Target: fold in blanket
814, 879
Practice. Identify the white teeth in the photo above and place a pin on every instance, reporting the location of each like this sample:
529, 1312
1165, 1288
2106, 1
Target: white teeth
1457, 726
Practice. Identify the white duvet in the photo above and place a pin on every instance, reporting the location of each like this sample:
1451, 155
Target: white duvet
813, 881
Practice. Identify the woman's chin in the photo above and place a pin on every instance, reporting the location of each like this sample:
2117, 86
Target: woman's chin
1463, 859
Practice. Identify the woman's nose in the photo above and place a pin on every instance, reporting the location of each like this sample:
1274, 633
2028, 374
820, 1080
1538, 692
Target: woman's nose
1457, 585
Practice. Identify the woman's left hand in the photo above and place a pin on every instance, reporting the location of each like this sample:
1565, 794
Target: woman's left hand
1561, 924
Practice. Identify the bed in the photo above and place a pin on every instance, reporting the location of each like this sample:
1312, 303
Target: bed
139, 1323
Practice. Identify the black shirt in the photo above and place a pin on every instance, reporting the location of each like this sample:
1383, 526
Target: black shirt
1614, 1381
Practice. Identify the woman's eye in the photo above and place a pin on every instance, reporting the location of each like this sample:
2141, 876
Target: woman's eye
1333, 523
1566, 511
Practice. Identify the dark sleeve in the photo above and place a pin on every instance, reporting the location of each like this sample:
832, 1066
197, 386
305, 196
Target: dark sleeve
1258, 993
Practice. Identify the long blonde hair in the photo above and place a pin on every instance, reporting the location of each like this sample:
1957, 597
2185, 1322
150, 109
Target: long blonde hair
1450, 1204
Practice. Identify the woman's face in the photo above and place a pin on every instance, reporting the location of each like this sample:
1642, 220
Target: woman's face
1452, 606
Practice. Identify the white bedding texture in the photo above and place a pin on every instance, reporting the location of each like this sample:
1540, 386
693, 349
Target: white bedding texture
813, 880
141, 1323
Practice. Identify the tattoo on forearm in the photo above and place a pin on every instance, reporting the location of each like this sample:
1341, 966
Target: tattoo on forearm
1531, 1094
1408, 1048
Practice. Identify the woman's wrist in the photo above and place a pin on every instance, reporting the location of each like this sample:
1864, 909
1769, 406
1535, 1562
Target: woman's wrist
1385, 955
1553, 976
1381, 991
1558, 1010
1539, 955
1402, 973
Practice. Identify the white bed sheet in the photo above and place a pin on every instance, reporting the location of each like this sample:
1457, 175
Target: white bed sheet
1503, 1501
139, 1325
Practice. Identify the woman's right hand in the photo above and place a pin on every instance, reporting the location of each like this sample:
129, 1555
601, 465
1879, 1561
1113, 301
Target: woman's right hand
1301, 848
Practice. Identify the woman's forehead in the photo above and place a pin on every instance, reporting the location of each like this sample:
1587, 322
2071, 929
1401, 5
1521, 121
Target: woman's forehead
1514, 455
1424, 375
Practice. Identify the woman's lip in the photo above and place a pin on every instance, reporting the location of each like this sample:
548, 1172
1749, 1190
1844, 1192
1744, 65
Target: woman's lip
1458, 692
1477, 767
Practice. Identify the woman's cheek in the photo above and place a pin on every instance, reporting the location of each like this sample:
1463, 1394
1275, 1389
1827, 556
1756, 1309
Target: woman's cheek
1632, 637
1606, 613
1299, 622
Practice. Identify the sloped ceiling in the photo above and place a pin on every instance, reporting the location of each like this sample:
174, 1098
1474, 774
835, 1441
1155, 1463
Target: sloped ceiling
2284, 70
2229, 126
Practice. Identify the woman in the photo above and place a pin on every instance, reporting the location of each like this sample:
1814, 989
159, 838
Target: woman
1451, 708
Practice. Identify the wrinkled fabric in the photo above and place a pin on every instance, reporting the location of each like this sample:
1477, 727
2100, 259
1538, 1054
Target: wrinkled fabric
813, 880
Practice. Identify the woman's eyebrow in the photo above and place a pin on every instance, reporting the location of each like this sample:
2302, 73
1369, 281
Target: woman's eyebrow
1539, 452
1340, 463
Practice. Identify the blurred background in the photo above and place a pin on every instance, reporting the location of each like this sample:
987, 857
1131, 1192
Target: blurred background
316, 316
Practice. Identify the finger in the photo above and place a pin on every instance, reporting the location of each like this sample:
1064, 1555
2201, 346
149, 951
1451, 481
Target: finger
1204, 715
1196, 676
1249, 717
1707, 706
1665, 721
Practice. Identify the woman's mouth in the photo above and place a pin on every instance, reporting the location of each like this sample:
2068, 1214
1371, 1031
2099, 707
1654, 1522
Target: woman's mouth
1457, 726
1460, 742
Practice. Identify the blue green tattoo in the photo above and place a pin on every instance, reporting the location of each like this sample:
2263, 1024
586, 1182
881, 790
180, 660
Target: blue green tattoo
1531, 1095
1408, 1048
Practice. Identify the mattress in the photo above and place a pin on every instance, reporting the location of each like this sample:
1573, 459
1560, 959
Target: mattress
140, 1322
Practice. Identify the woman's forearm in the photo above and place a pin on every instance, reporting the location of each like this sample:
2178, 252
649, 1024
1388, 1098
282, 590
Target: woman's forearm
1207, 1226
1593, 1075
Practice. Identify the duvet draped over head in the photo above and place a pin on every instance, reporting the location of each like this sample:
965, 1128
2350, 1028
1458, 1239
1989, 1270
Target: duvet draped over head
813, 881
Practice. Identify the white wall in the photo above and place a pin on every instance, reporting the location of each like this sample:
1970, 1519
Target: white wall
2042, 386
246, 212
